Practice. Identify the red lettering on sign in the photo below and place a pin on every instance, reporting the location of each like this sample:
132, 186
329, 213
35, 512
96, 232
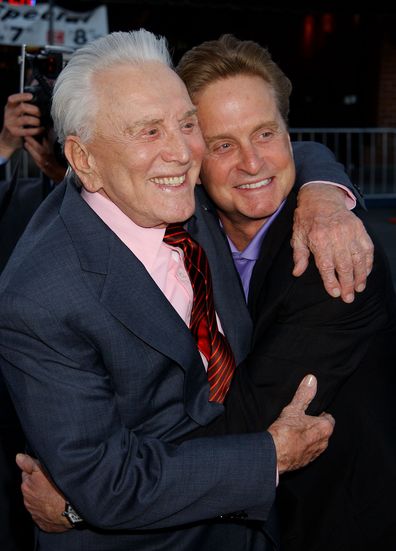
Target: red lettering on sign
19, 2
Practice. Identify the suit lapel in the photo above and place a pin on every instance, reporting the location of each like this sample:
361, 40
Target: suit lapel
123, 285
279, 231
229, 299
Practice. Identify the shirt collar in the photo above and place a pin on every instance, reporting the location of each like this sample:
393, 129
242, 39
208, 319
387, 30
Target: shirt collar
143, 242
252, 251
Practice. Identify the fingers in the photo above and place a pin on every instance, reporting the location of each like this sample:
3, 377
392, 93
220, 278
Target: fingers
43, 156
362, 253
42, 500
27, 463
317, 437
343, 262
300, 256
19, 114
324, 424
304, 395
327, 269
15, 99
329, 418
299, 439
33, 146
25, 109
39, 152
345, 268
342, 248
27, 126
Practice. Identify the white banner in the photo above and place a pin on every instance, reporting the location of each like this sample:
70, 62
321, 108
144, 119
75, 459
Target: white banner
30, 25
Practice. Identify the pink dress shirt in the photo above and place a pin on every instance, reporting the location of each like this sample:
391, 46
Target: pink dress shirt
164, 263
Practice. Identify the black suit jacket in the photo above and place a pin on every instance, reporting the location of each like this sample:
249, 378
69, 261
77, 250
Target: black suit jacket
344, 499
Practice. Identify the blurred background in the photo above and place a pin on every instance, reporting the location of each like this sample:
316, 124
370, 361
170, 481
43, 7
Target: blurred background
340, 57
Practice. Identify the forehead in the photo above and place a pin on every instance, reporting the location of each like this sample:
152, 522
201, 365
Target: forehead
150, 88
236, 96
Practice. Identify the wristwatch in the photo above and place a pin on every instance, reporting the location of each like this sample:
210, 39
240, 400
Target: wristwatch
73, 517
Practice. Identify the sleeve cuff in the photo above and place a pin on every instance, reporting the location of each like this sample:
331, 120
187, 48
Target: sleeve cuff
350, 199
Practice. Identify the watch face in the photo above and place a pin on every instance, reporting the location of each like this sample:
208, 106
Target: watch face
73, 517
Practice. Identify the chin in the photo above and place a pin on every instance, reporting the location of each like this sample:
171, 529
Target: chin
185, 212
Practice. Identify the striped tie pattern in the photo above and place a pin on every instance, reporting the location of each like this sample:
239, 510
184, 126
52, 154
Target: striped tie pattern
203, 325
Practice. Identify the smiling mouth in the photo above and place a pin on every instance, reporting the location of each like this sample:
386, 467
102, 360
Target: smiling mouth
256, 185
172, 181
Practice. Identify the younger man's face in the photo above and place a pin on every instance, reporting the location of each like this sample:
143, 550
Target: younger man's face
248, 168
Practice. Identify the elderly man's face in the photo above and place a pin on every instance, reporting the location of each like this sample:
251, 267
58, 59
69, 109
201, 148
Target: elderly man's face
248, 167
147, 147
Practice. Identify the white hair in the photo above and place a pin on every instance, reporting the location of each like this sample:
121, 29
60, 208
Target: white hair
74, 100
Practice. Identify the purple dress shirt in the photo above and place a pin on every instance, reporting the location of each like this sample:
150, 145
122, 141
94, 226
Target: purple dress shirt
245, 260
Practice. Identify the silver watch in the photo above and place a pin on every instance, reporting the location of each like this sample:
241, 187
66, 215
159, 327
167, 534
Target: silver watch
73, 517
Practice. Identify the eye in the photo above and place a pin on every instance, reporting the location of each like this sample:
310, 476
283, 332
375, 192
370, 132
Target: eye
151, 131
221, 147
189, 125
266, 134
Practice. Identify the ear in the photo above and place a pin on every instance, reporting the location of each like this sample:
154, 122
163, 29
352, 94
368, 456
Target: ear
82, 162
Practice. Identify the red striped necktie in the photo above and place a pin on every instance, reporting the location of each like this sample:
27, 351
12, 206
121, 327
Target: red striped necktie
203, 324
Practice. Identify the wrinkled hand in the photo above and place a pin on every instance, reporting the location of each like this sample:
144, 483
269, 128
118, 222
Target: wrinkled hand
18, 114
342, 248
41, 498
43, 155
300, 438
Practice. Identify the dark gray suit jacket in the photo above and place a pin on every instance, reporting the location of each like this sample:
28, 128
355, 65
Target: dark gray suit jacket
105, 376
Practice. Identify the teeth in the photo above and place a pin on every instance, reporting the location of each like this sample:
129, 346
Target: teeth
170, 181
262, 183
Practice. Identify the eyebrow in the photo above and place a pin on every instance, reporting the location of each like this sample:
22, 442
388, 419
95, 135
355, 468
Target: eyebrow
190, 113
149, 121
273, 125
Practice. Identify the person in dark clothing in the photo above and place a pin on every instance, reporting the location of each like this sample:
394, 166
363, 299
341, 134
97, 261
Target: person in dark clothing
344, 500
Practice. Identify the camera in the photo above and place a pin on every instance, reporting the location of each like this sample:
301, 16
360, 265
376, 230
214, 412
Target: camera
40, 68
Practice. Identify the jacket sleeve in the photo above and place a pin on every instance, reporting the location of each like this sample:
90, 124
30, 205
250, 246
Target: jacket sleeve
303, 330
314, 161
309, 332
115, 476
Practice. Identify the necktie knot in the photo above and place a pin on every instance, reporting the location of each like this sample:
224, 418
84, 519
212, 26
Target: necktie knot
175, 234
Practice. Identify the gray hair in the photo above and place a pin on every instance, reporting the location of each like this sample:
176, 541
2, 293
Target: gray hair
74, 106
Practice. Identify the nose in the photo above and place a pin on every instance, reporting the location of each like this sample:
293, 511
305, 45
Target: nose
249, 160
176, 148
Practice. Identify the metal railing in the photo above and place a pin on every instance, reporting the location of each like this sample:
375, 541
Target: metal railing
368, 154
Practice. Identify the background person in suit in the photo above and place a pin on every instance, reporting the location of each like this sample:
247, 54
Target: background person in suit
94, 339
344, 500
